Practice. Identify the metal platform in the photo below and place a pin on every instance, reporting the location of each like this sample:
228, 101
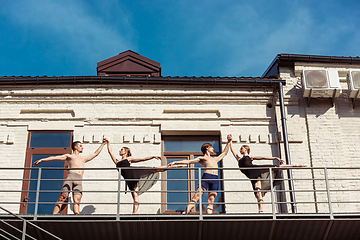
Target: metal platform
211, 227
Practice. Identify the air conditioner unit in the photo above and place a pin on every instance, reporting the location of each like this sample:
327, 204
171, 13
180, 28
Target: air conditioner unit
354, 83
321, 83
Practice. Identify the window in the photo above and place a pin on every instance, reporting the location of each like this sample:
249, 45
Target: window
42, 144
180, 148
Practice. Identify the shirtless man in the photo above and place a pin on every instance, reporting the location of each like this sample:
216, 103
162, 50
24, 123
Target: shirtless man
210, 176
73, 180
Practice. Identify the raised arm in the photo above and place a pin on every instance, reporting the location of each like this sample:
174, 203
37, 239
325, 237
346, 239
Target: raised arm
226, 149
52, 158
97, 152
266, 158
236, 156
136, 160
113, 158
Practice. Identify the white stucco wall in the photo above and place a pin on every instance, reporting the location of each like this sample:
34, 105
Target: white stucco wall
320, 135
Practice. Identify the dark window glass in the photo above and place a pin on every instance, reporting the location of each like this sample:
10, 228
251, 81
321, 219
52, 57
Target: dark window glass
189, 143
181, 145
50, 140
41, 145
173, 185
45, 185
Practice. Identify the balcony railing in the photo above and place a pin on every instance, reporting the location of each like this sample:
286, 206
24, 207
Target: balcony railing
322, 192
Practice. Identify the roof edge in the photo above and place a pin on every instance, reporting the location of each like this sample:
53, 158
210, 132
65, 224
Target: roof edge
141, 80
286, 59
129, 53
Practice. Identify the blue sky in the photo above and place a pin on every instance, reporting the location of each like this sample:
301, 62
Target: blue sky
188, 38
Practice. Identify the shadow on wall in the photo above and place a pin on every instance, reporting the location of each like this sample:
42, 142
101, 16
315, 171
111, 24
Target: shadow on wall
89, 209
270, 109
313, 106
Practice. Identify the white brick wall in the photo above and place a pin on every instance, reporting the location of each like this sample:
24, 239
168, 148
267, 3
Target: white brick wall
330, 136
319, 135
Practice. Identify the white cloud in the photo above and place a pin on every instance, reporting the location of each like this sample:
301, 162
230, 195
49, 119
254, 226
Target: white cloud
72, 27
250, 40
232, 38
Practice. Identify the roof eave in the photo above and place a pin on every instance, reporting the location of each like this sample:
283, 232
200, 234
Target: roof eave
286, 59
137, 80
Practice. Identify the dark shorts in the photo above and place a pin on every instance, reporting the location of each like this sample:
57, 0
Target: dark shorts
209, 181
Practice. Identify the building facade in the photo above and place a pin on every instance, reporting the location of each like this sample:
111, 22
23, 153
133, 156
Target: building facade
133, 105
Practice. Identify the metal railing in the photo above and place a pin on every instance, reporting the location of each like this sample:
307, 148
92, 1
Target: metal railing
25, 222
326, 191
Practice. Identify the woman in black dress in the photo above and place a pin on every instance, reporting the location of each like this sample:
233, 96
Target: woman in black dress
255, 173
136, 173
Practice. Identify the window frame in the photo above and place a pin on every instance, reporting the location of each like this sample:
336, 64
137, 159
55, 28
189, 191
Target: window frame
30, 151
191, 173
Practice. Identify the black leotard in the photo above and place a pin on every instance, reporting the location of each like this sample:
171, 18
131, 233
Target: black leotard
136, 173
252, 173
255, 173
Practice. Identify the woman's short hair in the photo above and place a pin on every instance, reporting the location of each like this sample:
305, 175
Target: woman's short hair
128, 152
205, 146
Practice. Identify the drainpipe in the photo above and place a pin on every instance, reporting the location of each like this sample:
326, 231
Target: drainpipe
286, 147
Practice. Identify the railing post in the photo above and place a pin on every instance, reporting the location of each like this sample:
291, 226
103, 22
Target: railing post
200, 198
23, 236
272, 194
37, 195
118, 196
328, 192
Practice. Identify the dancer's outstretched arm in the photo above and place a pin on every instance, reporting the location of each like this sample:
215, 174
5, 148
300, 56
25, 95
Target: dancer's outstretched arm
136, 160
234, 152
226, 149
96, 153
280, 160
187, 161
113, 157
52, 158
267, 158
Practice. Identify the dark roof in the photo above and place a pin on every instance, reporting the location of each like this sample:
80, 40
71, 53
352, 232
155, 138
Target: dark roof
128, 63
144, 80
288, 60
